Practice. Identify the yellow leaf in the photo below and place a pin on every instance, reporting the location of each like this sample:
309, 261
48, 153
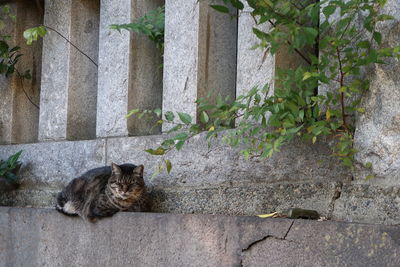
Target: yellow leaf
211, 129
328, 115
314, 139
267, 215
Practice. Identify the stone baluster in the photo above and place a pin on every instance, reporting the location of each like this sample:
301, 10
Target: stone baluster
255, 67
200, 54
69, 77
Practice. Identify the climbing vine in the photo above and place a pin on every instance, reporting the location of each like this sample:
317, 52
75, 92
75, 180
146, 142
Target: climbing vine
347, 42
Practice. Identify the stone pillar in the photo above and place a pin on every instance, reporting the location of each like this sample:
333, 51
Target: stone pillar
200, 54
7, 92
377, 135
19, 111
129, 70
254, 67
69, 80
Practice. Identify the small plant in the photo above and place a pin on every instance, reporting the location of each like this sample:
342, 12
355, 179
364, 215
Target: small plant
10, 167
151, 25
9, 56
8, 173
346, 45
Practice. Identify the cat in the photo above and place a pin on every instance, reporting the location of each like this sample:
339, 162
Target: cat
104, 191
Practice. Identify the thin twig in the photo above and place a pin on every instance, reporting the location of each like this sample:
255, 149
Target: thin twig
295, 49
21, 78
341, 85
62, 36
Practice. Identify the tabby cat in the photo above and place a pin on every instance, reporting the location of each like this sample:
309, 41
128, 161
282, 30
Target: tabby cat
104, 191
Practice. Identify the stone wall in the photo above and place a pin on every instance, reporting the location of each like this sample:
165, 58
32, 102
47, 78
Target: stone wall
83, 102
30, 237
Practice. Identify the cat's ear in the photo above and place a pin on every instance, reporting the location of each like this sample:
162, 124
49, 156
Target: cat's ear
115, 169
138, 170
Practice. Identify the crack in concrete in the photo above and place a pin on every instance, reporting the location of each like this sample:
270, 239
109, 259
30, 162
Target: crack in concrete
269, 236
336, 196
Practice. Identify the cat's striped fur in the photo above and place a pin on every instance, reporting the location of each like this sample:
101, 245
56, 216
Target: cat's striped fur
102, 192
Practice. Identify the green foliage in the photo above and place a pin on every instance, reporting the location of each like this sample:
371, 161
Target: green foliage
9, 55
33, 34
8, 168
347, 44
151, 25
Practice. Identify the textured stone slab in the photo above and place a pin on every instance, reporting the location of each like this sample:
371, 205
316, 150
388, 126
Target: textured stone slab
200, 55
310, 243
69, 80
56, 163
196, 165
245, 199
377, 135
129, 71
368, 203
255, 67
46, 238
54, 91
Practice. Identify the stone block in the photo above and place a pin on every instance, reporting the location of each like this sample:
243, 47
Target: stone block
53, 164
377, 135
129, 71
368, 203
246, 199
42, 237
196, 165
255, 67
69, 80
199, 56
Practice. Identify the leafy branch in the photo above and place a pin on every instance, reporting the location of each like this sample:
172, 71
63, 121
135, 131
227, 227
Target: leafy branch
266, 121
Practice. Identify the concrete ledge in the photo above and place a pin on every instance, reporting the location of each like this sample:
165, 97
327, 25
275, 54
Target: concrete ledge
40, 237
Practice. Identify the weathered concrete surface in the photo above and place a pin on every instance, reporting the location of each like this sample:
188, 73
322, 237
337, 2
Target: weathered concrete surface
54, 91
113, 81
255, 67
199, 56
31, 237
223, 164
377, 135
208, 181
368, 203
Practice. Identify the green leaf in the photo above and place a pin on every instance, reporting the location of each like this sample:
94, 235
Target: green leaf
329, 10
157, 111
204, 117
132, 112
169, 116
220, 8
181, 136
377, 37
179, 145
159, 151
168, 164
185, 118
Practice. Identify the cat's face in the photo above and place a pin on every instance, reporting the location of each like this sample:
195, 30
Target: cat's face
126, 185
